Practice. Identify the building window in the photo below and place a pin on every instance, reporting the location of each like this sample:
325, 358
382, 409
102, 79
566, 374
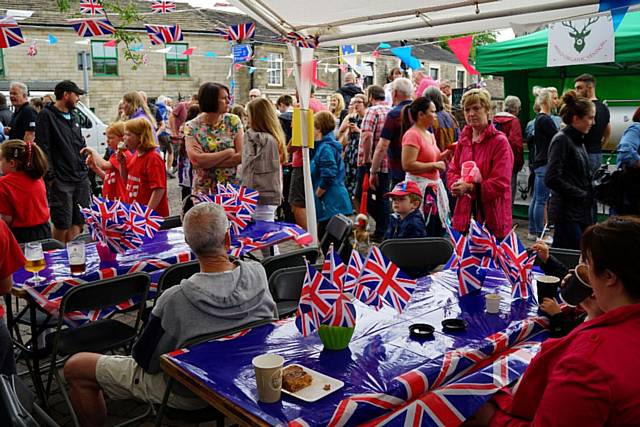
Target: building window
104, 59
434, 73
460, 81
177, 63
274, 72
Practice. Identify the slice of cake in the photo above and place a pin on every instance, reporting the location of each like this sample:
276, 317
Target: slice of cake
294, 378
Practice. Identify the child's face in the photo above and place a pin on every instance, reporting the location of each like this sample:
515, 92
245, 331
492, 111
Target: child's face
5, 166
131, 139
113, 140
402, 205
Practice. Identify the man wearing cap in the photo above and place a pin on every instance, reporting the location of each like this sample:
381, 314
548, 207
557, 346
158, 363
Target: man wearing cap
406, 221
60, 137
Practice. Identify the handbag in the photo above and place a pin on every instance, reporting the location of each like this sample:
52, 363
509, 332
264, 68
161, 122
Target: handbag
608, 186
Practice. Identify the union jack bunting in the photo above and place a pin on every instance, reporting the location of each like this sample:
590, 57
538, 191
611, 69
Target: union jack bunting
354, 270
517, 264
143, 220
301, 40
91, 7
159, 34
333, 268
385, 280
238, 33
163, 6
458, 240
10, 33
482, 244
92, 27
470, 273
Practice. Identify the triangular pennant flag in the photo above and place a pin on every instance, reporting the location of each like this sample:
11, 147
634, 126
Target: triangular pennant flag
211, 55
137, 48
252, 70
461, 47
111, 43
384, 45
315, 80
618, 9
289, 71
52, 39
188, 51
376, 54
264, 59
404, 53
237, 67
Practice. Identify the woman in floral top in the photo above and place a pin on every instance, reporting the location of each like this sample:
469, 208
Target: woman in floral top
214, 140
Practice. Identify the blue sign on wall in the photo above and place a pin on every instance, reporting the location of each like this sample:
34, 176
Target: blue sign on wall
241, 53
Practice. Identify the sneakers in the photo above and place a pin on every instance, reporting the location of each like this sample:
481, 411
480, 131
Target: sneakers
534, 238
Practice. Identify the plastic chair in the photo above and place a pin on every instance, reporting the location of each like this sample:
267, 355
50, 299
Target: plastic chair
285, 286
171, 222
102, 335
338, 231
206, 414
290, 259
418, 257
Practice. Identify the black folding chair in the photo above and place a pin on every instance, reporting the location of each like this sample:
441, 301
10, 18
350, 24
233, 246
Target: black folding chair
199, 415
47, 244
337, 233
102, 335
173, 275
171, 222
418, 257
18, 407
285, 286
569, 257
84, 237
290, 259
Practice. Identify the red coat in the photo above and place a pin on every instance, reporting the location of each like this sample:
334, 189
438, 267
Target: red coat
588, 378
494, 158
510, 126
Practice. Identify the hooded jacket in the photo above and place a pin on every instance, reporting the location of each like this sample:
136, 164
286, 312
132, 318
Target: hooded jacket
203, 304
348, 91
328, 173
509, 124
494, 158
261, 166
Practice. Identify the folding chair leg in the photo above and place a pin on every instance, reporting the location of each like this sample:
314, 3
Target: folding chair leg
63, 389
150, 410
165, 399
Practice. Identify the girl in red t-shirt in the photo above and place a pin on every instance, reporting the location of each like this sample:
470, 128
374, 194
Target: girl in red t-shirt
144, 174
113, 186
23, 196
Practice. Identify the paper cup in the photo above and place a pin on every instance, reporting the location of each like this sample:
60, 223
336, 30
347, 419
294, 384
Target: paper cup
268, 368
577, 288
547, 287
493, 303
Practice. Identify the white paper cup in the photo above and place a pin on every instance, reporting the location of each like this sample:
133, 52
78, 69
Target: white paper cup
493, 303
268, 368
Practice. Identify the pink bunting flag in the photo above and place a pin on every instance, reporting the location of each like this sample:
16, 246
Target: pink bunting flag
237, 67
461, 47
314, 75
376, 54
343, 68
289, 71
189, 51
110, 43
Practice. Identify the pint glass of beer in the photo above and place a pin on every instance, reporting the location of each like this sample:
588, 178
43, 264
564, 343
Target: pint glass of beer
76, 255
35, 260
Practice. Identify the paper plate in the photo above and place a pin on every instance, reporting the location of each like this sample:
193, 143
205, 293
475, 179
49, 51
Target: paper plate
316, 390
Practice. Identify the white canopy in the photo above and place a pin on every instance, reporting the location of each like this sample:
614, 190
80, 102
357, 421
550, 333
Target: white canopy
370, 21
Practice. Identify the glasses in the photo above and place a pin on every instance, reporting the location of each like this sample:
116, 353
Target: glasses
35, 261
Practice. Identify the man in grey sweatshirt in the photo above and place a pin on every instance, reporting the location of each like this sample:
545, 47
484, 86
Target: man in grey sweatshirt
224, 295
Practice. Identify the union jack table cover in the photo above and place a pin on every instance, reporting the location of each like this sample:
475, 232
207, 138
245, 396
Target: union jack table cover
390, 378
154, 256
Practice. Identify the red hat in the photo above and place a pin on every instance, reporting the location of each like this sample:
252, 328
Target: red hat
404, 189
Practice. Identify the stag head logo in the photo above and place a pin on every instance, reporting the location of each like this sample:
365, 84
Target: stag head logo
579, 36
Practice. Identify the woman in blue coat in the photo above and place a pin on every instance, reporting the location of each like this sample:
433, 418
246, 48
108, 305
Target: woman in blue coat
328, 172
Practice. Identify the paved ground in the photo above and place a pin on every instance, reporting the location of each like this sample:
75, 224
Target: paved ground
121, 411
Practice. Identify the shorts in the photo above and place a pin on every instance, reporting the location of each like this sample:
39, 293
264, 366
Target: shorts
166, 143
296, 189
64, 198
121, 378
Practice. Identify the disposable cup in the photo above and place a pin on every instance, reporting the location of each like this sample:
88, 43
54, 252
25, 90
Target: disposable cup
493, 303
547, 287
268, 368
577, 288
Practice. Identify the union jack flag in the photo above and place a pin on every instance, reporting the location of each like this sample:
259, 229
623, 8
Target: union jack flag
92, 27
517, 264
482, 244
163, 6
10, 33
354, 270
247, 198
385, 280
470, 273
91, 7
301, 40
316, 299
143, 220
238, 32
343, 313
333, 268
159, 34
299, 234
459, 240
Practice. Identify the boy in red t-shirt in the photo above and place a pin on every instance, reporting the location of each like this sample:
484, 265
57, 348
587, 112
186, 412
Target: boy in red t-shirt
11, 260
113, 186
23, 196
144, 173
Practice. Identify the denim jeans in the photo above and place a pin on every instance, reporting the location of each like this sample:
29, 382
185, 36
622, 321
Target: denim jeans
595, 160
538, 202
567, 234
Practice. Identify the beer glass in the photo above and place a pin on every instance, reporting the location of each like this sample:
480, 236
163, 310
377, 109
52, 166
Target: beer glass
76, 256
35, 260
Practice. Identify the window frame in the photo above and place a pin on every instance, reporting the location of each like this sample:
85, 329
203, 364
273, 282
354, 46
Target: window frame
272, 68
437, 68
95, 58
461, 84
177, 59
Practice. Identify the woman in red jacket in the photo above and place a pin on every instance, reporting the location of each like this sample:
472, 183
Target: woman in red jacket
590, 377
488, 200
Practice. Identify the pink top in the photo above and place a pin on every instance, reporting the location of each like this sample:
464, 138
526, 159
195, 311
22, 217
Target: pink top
428, 151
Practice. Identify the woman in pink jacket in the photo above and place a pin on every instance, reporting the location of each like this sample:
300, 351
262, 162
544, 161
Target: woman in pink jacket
590, 377
488, 199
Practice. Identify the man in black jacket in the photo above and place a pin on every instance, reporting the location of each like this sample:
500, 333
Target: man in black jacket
349, 89
60, 137
5, 113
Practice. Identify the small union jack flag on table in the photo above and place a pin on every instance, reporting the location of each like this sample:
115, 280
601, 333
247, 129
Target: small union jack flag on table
470, 273
163, 6
333, 268
517, 264
317, 299
91, 7
482, 244
10, 33
353, 272
459, 241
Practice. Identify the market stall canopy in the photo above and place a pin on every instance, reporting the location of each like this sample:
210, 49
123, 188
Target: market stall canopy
368, 21
530, 51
